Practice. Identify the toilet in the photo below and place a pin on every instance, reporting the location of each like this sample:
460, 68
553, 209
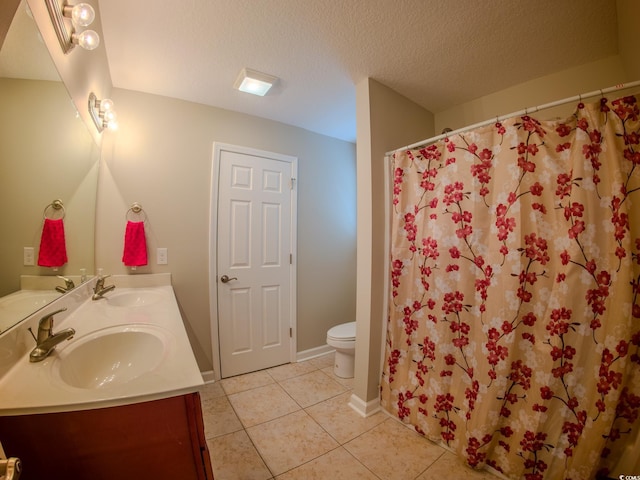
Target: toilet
343, 338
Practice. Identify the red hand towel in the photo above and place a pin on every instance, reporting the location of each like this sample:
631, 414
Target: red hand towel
135, 245
53, 251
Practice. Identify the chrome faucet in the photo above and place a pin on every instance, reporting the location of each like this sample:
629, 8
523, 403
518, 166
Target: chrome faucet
99, 290
68, 285
47, 340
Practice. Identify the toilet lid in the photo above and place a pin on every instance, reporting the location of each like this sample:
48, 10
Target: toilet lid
345, 331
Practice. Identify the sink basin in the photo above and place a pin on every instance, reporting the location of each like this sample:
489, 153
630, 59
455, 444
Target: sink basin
28, 300
111, 357
134, 298
18, 305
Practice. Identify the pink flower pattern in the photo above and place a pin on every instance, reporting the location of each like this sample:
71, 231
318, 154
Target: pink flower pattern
513, 334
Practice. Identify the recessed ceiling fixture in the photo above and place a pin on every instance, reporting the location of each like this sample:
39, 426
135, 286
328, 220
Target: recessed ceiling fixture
256, 83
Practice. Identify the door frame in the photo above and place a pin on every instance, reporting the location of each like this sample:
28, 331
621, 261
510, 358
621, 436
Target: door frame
218, 148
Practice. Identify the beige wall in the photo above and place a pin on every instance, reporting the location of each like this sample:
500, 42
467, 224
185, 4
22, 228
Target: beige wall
45, 156
628, 21
385, 120
567, 83
607, 72
161, 157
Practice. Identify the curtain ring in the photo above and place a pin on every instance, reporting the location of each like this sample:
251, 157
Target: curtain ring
603, 102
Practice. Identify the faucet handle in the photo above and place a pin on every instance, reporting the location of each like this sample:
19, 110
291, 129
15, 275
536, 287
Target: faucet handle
60, 310
68, 282
49, 316
100, 282
45, 325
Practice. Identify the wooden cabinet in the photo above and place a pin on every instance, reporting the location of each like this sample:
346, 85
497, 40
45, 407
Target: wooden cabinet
157, 440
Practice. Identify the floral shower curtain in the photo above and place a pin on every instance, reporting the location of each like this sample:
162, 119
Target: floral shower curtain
513, 334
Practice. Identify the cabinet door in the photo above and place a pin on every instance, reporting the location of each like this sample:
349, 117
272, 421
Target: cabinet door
198, 440
152, 440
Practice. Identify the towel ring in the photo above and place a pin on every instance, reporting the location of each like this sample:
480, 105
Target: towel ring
136, 209
52, 208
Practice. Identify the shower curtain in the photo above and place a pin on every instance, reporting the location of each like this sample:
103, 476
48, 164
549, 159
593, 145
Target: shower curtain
513, 330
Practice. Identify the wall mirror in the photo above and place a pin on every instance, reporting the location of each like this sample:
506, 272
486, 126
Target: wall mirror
46, 153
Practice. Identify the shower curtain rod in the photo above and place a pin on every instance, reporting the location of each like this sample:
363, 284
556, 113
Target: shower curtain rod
526, 111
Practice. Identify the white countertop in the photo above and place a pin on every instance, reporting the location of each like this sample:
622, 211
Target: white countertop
28, 388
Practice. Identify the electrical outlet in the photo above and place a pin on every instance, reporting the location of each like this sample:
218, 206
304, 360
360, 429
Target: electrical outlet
29, 256
162, 258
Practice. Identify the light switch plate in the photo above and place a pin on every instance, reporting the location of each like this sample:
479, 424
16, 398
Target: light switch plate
29, 256
162, 257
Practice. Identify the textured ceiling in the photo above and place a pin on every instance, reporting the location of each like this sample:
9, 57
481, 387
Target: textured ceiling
438, 53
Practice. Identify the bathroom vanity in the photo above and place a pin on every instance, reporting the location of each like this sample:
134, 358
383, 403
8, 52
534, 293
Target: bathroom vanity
118, 400
160, 439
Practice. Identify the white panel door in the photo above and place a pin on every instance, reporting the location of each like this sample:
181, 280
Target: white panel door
254, 266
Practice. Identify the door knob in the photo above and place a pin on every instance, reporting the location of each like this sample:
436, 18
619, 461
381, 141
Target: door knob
225, 278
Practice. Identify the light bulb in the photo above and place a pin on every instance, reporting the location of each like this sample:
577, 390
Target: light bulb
106, 104
81, 14
109, 116
88, 39
111, 124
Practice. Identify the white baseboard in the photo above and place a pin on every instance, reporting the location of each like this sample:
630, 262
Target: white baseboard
209, 375
365, 409
313, 353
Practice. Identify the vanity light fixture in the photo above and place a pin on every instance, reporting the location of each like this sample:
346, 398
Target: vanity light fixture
102, 113
80, 15
256, 83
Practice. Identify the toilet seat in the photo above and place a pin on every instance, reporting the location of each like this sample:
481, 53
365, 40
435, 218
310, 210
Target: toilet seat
343, 332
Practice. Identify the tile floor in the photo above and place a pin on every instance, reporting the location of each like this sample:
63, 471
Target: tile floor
293, 422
